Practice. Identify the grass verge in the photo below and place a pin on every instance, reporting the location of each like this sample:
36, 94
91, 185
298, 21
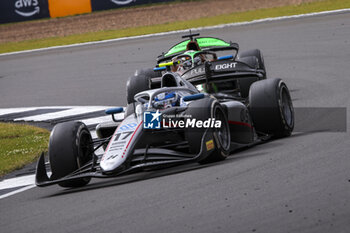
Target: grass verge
210, 21
20, 145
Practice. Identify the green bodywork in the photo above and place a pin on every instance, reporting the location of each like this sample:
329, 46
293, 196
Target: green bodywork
191, 53
202, 42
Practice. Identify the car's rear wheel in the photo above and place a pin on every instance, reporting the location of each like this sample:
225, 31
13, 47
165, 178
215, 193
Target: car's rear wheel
245, 83
70, 148
254, 59
204, 109
251, 57
271, 107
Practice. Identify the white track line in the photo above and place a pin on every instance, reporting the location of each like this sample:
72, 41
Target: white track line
61, 114
17, 182
27, 181
182, 31
6, 111
17, 191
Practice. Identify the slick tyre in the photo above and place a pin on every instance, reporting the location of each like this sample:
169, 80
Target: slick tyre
202, 110
271, 107
258, 57
141, 81
136, 84
244, 85
70, 147
254, 59
150, 73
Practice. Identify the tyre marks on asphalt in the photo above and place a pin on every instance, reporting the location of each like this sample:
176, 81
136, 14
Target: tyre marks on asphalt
48, 117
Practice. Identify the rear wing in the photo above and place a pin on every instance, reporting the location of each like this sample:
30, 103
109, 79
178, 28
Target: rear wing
205, 44
221, 71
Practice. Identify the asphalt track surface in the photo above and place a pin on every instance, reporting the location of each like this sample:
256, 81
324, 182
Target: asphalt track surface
297, 184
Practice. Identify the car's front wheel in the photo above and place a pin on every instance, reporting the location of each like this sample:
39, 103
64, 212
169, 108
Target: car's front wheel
70, 148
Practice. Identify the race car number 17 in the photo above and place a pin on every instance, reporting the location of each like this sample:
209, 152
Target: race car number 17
124, 137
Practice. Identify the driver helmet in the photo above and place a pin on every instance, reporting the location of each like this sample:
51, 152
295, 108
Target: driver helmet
208, 88
187, 61
166, 100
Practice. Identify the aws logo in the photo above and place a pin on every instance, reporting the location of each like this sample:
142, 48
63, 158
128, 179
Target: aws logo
22, 7
122, 2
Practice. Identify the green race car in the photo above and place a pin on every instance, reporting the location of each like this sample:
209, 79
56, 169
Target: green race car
213, 65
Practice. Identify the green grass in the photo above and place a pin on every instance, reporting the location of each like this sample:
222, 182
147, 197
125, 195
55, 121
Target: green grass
20, 145
228, 18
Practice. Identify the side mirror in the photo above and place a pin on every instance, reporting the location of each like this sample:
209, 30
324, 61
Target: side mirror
112, 111
225, 57
165, 66
159, 68
193, 97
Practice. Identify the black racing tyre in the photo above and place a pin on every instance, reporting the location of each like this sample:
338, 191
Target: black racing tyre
70, 147
202, 110
271, 107
244, 85
136, 84
149, 73
141, 81
253, 53
254, 59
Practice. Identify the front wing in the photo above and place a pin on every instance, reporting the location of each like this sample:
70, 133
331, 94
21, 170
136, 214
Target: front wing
165, 157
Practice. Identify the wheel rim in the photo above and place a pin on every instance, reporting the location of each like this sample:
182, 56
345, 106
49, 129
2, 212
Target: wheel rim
84, 149
287, 107
223, 131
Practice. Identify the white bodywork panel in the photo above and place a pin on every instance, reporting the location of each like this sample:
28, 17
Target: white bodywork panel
121, 143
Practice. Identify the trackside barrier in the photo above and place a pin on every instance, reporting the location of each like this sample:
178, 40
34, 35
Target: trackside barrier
22, 10
60, 8
98, 5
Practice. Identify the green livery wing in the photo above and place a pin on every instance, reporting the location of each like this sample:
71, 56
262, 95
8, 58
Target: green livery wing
203, 42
